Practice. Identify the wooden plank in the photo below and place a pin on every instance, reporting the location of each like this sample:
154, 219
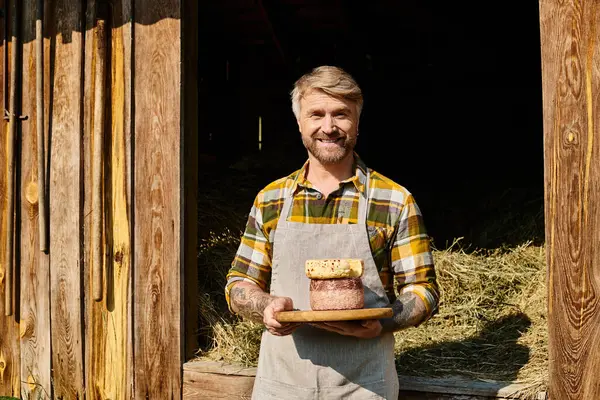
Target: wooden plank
64, 23
35, 273
461, 386
109, 359
201, 377
200, 385
190, 174
216, 367
570, 77
157, 201
334, 315
9, 328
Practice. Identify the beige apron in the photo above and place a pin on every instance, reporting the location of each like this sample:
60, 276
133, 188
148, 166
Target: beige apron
313, 363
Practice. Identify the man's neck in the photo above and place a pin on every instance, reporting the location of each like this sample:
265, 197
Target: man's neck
327, 177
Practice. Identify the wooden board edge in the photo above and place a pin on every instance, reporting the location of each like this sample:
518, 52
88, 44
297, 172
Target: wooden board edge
451, 386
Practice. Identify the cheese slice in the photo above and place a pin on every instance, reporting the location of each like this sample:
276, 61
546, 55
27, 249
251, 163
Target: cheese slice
334, 268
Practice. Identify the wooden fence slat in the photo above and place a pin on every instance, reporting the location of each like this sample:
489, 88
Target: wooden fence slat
571, 86
34, 265
64, 24
9, 328
109, 336
157, 201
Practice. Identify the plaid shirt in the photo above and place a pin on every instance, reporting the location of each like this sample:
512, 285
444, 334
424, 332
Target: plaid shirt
399, 242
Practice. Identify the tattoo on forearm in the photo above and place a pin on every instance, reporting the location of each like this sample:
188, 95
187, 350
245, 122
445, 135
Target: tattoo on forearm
409, 310
250, 303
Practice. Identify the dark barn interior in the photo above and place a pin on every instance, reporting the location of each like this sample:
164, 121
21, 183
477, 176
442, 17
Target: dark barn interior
453, 107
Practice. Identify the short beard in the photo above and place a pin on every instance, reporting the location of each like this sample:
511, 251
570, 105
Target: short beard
327, 157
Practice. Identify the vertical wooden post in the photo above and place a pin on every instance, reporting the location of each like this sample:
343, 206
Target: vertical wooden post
34, 264
571, 86
64, 23
9, 328
157, 200
109, 337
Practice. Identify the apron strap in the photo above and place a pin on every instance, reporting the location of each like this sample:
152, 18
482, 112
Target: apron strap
363, 201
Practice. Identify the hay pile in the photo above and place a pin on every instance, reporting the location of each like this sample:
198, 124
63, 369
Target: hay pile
491, 324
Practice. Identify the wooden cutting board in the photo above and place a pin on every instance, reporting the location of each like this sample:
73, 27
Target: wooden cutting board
333, 315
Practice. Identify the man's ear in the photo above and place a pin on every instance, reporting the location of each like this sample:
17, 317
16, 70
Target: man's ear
298, 122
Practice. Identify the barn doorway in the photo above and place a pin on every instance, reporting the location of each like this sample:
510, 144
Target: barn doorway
453, 112
452, 99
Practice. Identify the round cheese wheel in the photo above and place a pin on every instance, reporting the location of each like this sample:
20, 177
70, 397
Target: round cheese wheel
337, 294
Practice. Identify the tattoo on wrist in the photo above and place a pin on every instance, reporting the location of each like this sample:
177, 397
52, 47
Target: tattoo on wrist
250, 303
409, 310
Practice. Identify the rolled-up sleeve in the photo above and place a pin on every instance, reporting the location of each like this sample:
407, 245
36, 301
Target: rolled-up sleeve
412, 260
252, 262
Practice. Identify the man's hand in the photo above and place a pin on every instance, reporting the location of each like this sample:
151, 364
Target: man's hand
249, 301
366, 329
273, 326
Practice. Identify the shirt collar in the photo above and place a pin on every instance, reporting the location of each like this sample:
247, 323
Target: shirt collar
359, 179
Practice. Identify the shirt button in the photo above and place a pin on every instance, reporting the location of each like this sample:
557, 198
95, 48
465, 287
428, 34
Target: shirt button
319, 196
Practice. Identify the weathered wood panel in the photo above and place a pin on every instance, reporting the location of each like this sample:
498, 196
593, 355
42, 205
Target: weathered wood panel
571, 80
108, 329
64, 23
9, 328
216, 380
34, 265
190, 172
201, 385
157, 201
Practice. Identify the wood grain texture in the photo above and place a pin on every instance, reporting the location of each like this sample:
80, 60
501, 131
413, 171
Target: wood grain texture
35, 273
216, 380
334, 315
99, 44
64, 23
571, 84
9, 328
11, 137
157, 201
109, 336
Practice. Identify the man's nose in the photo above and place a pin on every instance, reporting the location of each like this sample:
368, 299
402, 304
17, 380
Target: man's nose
328, 125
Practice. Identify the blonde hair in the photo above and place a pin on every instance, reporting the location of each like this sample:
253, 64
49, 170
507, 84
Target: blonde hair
333, 81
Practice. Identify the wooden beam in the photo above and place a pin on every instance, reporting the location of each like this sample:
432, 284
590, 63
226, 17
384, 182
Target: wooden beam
207, 379
157, 203
109, 337
571, 84
9, 328
64, 84
35, 271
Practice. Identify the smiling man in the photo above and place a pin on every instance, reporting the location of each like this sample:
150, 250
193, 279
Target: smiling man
333, 207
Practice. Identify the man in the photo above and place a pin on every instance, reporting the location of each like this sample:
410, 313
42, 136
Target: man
333, 207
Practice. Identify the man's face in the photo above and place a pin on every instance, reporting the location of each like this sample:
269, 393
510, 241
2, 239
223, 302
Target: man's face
328, 125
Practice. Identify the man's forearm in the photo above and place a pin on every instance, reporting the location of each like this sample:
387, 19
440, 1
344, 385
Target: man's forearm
409, 310
249, 301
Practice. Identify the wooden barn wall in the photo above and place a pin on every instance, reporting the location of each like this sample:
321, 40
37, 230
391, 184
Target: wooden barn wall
109, 327
60, 342
571, 88
157, 201
34, 264
9, 327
